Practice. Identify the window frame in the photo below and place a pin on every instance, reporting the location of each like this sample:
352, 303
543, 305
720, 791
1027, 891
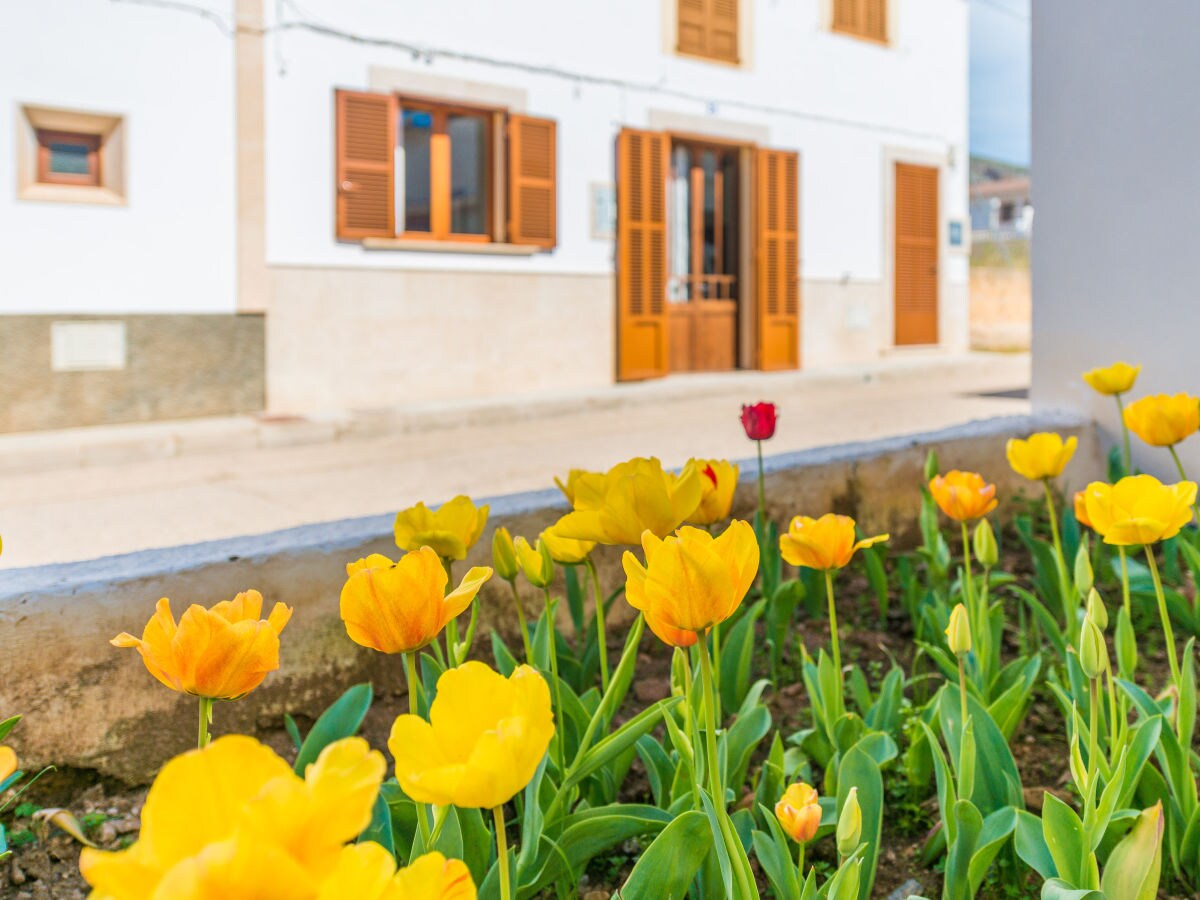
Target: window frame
439, 205
45, 175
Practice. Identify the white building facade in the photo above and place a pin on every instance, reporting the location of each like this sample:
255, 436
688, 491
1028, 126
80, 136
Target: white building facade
408, 201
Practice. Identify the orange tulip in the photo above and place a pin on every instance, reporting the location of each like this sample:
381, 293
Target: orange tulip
963, 496
799, 812
400, 607
824, 543
220, 654
1081, 515
718, 481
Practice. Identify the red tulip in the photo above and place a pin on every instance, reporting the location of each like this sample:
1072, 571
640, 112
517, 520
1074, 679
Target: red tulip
759, 421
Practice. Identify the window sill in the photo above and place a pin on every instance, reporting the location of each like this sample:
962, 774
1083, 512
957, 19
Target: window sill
481, 248
71, 193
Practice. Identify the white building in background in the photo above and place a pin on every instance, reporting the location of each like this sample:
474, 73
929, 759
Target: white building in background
360, 203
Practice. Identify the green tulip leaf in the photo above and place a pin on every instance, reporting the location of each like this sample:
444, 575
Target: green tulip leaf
669, 865
1134, 866
1064, 838
340, 720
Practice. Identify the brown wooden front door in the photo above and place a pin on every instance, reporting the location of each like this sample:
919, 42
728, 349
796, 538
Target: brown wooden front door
777, 252
916, 255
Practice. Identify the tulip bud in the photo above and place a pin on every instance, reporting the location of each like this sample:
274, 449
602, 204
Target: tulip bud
849, 825
1084, 577
504, 557
1093, 654
958, 632
535, 562
1126, 641
931, 465
1096, 611
984, 540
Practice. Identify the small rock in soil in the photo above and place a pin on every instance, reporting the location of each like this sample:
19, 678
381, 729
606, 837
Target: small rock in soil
910, 888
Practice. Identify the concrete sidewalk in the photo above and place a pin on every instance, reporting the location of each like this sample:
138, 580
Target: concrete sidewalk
84, 493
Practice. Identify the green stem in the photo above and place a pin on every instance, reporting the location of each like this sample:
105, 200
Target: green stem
416, 699
440, 814
962, 688
690, 724
840, 700
716, 655
521, 619
1127, 457
800, 861
601, 633
1124, 581
1168, 633
451, 626
502, 851
556, 687
206, 705
762, 490
1093, 743
969, 586
1064, 585
1183, 476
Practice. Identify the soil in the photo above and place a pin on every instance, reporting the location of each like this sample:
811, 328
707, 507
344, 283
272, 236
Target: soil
44, 863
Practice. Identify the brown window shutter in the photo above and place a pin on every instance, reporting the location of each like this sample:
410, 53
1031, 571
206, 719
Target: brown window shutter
723, 30
691, 27
777, 258
874, 19
845, 15
642, 336
365, 166
532, 197
916, 254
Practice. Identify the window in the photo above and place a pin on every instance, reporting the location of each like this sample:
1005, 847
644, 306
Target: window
708, 28
67, 157
413, 171
866, 19
445, 171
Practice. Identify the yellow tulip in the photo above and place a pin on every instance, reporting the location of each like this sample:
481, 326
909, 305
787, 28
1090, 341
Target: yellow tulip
824, 543
1041, 455
400, 607
366, 871
433, 877
576, 477
564, 550
234, 821
221, 653
451, 530
483, 742
1139, 509
691, 581
535, 562
718, 481
1081, 515
1115, 379
799, 812
958, 632
963, 496
8, 763
631, 497
1162, 420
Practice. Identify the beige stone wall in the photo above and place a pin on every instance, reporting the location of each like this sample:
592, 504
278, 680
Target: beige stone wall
370, 338
177, 366
1001, 308
91, 706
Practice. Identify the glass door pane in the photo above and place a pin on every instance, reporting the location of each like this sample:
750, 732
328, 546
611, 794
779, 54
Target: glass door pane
416, 129
468, 173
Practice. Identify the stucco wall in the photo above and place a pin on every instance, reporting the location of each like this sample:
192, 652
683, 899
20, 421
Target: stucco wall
1115, 86
91, 706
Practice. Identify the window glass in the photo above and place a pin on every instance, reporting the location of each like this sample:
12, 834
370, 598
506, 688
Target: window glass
468, 173
416, 128
69, 158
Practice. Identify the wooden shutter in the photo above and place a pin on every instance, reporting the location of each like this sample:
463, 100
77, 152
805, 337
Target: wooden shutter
861, 18
365, 165
916, 255
532, 198
874, 19
777, 258
708, 28
642, 336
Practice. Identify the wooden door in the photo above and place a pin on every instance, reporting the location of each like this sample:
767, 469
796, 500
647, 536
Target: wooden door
916, 255
777, 258
642, 332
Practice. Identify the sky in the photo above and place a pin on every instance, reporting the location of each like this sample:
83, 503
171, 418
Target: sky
1000, 80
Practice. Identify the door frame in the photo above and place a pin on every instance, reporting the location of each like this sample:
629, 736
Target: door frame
890, 156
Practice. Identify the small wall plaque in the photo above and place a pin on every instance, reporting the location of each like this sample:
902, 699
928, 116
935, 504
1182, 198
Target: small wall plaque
87, 346
603, 210
956, 233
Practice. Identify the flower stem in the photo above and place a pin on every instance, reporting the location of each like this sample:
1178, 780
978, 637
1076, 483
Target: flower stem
1093, 742
1124, 581
502, 853
800, 861
1127, 457
1168, 633
1183, 476
416, 699
206, 706
689, 722
451, 626
555, 687
968, 579
962, 688
1064, 584
762, 491
521, 619
839, 700
601, 633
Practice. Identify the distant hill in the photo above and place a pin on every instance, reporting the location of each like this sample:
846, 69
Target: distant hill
984, 169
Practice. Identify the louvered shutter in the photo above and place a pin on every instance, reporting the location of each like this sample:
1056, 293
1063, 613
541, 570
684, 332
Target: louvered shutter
916, 254
845, 15
692, 27
777, 257
365, 165
532, 198
874, 19
708, 28
642, 165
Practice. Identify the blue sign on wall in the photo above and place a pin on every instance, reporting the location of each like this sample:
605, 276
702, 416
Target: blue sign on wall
956, 237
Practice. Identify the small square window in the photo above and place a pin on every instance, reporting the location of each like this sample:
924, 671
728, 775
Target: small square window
68, 157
